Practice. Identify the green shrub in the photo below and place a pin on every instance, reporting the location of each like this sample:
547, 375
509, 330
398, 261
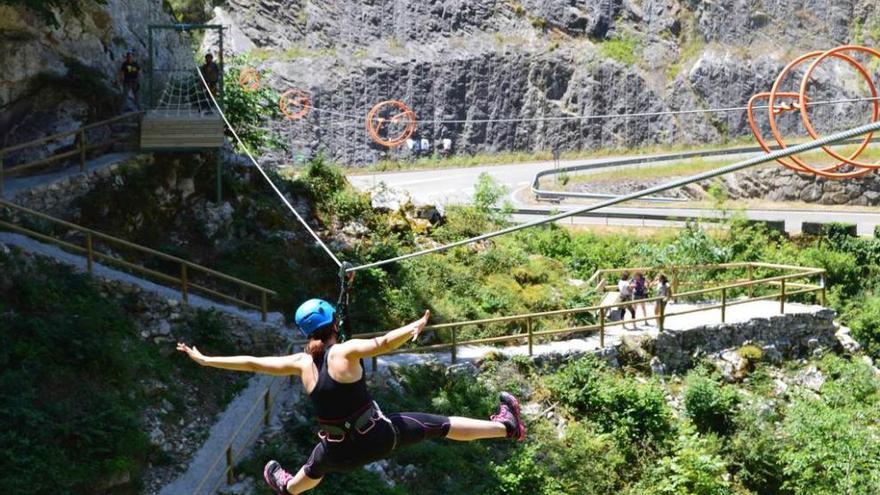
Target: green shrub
829, 450
625, 49
842, 268
696, 468
755, 451
636, 412
709, 404
69, 371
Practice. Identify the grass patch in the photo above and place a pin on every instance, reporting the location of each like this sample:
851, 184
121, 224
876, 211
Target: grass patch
626, 49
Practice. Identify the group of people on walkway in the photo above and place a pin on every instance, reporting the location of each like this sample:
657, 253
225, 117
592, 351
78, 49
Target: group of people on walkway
635, 290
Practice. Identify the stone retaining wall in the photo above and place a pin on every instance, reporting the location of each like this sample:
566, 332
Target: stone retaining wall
786, 335
56, 198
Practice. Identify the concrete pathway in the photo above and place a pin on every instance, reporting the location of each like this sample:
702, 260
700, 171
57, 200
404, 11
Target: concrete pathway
15, 185
99, 270
238, 427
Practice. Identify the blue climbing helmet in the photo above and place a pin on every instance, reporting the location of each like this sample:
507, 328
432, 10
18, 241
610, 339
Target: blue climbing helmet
314, 314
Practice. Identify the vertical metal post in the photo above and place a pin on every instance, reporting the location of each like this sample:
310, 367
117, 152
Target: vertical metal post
751, 277
82, 150
375, 364
219, 177
674, 282
724, 305
822, 284
662, 321
90, 256
264, 304
184, 285
782, 298
531, 336
267, 407
454, 344
602, 327
150, 70
220, 90
230, 476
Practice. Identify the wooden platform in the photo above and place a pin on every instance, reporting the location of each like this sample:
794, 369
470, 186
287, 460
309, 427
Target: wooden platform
170, 130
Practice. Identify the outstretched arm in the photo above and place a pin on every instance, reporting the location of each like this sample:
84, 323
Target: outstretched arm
272, 365
362, 348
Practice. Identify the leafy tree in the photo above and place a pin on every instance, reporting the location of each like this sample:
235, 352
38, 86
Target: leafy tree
250, 112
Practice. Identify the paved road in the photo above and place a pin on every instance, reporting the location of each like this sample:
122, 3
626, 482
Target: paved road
456, 186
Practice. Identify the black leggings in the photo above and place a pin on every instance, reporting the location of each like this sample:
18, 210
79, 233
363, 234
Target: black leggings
358, 449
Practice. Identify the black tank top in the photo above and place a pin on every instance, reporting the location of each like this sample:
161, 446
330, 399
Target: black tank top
336, 402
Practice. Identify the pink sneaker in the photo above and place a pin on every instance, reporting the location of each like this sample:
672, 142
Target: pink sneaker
508, 415
277, 477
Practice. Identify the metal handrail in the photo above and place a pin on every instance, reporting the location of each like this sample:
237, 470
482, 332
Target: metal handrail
185, 266
81, 146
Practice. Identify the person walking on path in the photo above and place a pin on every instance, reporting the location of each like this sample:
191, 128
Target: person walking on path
354, 430
639, 294
624, 287
211, 72
664, 291
129, 77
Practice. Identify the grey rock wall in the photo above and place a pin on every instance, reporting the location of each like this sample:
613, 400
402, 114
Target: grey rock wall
776, 183
467, 61
56, 79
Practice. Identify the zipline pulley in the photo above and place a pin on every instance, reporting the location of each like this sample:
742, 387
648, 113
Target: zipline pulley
346, 277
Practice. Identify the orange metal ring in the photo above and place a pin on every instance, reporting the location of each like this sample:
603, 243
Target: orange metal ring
874, 115
800, 165
404, 114
249, 79
292, 99
794, 162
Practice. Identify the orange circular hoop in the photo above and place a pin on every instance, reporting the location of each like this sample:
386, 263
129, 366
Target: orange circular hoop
295, 104
249, 79
393, 112
801, 102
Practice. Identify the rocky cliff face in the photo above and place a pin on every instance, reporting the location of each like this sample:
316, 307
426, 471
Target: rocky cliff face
55, 79
468, 62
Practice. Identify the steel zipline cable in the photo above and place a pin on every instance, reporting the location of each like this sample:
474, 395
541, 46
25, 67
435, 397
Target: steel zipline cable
266, 176
756, 160
659, 113
751, 162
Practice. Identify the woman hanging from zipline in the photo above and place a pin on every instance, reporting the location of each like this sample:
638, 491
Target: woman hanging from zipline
354, 431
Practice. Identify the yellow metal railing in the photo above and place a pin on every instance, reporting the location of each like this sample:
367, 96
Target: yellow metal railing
82, 146
183, 280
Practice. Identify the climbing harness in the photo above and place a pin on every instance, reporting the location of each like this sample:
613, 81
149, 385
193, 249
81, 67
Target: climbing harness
361, 423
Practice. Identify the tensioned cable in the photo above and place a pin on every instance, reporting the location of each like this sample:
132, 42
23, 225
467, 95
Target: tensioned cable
265, 175
757, 160
611, 115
